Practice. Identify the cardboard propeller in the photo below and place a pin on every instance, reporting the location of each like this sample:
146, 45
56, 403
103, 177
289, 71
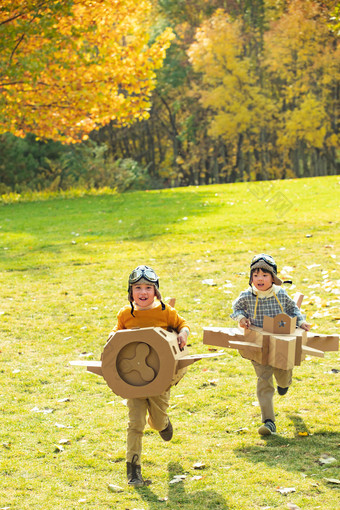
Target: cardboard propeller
139, 363
279, 344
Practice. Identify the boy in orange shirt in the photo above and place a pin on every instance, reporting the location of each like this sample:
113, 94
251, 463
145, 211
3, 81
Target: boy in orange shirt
143, 312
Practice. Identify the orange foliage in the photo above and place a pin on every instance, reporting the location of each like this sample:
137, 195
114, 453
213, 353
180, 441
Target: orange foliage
64, 73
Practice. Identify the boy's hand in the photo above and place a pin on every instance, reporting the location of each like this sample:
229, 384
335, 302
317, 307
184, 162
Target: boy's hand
245, 323
305, 326
182, 339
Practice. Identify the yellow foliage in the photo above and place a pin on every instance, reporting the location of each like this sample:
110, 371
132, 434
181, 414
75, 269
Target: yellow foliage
230, 91
308, 123
101, 69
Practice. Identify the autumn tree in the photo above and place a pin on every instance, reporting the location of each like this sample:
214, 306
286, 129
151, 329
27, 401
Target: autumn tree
238, 109
68, 67
177, 135
302, 58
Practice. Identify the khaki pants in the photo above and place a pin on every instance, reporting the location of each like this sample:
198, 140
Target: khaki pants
157, 419
265, 387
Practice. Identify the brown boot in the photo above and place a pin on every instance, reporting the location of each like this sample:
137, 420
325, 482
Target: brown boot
134, 473
167, 433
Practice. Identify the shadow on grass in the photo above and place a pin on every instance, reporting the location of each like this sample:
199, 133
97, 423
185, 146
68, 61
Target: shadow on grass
300, 453
179, 498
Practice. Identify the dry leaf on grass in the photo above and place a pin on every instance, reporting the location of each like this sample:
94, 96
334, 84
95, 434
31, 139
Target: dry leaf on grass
209, 281
326, 459
44, 411
213, 382
242, 430
61, 426
285, 490
115, 488
199, 465
332, 480
64, 441
178, 478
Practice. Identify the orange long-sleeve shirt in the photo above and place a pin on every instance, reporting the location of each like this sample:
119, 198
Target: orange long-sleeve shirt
151, 318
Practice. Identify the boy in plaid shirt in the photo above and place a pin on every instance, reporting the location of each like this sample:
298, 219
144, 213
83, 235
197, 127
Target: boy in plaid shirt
266, 297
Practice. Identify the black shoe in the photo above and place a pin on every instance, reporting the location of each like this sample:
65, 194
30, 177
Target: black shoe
267, 428
167, 433
134, 474
282, 391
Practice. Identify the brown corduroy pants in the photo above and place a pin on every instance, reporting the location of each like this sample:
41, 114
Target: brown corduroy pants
158, 419
265, 387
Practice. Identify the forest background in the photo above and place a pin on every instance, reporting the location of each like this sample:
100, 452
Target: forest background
248, 90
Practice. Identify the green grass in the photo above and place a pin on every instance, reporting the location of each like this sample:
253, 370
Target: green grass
64, 266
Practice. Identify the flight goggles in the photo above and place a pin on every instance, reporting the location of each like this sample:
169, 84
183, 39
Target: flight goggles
267, 259
143, 272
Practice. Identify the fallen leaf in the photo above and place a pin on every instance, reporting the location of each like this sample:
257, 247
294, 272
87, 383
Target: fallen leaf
178, 478
326, 459
115, 488
303, 434
197, 477
64, 441
285, 490
332, 480
199, 465
44, 411
287, 269
213, 382
209, 281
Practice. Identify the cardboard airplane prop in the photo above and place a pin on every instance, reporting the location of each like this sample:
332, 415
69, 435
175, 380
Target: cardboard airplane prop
279, 343
142, 362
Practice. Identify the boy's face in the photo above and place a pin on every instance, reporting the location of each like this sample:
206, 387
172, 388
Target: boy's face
262, 280
143, 294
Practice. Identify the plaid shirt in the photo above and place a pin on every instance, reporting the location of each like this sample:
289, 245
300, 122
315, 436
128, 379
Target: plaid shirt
244, 306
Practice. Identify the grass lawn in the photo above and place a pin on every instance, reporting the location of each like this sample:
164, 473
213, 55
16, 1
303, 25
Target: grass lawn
64, 264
